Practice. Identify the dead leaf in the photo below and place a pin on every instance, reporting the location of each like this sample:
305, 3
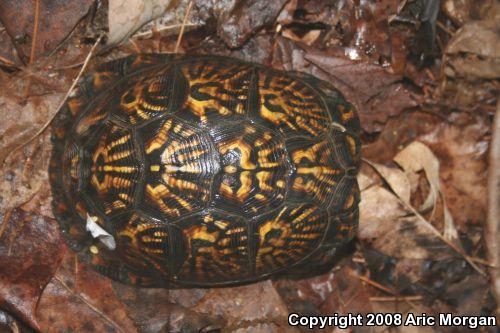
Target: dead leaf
397, 180
460, 144
371, 84
76, 288
480, 42
384, 221
238, 21
126, 17
240, 305
462, 11
163, 310
30, 252
57, 19
416, 157
8, 53
477, 37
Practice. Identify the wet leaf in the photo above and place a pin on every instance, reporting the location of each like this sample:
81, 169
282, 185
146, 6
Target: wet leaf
56, 19
8, 53
76, 288
238, 20
372, 85
30, 252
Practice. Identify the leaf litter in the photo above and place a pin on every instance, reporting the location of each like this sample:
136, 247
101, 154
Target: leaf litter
427, 127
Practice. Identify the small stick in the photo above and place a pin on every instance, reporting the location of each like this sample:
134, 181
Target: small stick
35, 31
428, 224
44, 127
376, 284
395, 298
184, 21
5, 221
87, 302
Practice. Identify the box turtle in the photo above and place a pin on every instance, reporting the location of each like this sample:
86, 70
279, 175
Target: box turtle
173, 170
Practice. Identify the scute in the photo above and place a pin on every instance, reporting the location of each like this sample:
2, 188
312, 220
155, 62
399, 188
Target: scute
205, 170
180, 165
290, 105
285, 236
114, 170
254, 169
218, 89
215, 246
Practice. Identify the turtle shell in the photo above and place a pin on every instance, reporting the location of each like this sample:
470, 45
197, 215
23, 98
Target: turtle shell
204, 171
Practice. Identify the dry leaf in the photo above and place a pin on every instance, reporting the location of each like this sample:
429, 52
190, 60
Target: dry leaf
384, 220
416, 157
127, 16
397, 180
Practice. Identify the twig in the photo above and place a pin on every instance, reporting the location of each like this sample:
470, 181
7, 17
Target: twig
148, 34
5, 221
184, 21
376, 284
396, 298
493, 223
444, 28
428, 224
440, 236
385, 289
44, 127
35, 31
90, 305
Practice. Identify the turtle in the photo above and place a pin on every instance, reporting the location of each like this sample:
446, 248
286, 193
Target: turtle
204, 171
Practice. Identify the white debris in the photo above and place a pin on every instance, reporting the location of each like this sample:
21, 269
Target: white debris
98, 232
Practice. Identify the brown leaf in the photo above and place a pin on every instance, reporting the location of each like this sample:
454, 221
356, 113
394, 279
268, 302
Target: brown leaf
164, 310
338, 291
478, 37
8, 53
126, 17
237, 22
480, 42
242, 307
78, 289
382, 219
460, 144
369, 85
24, 172
416, 157
23, 177
56, 20
30, 252
462, 11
